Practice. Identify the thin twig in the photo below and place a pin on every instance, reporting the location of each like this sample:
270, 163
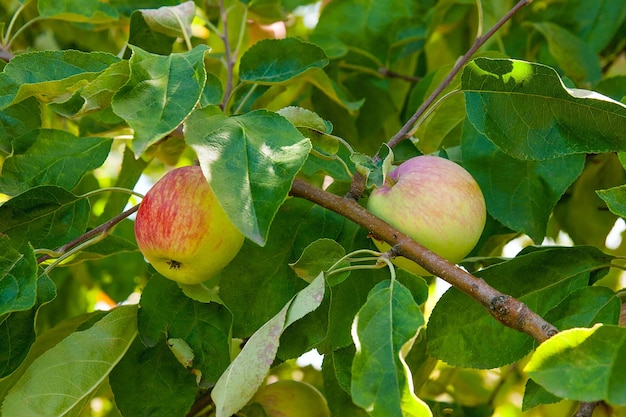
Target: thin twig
403, 133
230, 64
103, 228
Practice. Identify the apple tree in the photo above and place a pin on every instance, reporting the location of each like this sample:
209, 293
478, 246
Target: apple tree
296, 112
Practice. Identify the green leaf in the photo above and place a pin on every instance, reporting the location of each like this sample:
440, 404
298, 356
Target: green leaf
248, 370
581, 213
539, 277
615, 199
18, 278
526, 111
311, 125
585, 307
535, 394
318, 257
174, 21
161, 93
519, 193
92, 11
150, 381
17, 329
42, 157
98, 94
64, 378
17, 120
573, 55
591, 360
46, 216
142, 36
278, 60
381, 380
166, 312
374, 169
65, 72
250, 162
256, 292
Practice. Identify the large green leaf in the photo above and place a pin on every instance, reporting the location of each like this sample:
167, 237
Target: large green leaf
539, 277
47, 216
592, 361
17, 120
18, 278
17, 330
149, 381
250, 162
381, 380
92, 11
161, 93
248, 370
51, 157
526, 111
65, 377
166, 312
97, 94
278, 60
65, 72
519, 193
256, 291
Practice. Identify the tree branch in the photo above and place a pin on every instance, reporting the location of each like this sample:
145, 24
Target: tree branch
504, 308
403, 133
103, 228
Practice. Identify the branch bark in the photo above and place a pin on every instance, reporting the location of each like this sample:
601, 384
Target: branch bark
507, 310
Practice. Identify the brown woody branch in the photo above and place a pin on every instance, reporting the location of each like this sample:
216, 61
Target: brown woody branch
504, 308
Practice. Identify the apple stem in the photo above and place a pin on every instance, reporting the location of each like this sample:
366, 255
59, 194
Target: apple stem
504, 308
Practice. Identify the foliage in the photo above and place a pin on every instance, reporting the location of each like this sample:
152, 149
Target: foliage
99, 99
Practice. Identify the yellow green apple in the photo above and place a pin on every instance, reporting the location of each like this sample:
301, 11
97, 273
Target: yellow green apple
182, 230
289, 398
434, 201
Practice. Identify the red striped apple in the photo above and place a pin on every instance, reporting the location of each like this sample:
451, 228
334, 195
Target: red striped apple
435, 202
288, 398
182, 230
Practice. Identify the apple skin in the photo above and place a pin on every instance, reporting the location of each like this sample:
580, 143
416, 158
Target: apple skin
183, 231
435, 202
288, 398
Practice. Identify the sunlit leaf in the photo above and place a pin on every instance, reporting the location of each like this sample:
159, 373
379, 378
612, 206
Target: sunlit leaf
161, 93
66, 72
248, 370
65, 376
381, 380
590, 360
250, 162
527, 112
539, 277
